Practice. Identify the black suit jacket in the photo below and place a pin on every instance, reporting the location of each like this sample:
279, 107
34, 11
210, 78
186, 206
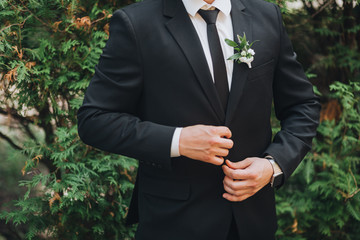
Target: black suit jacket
153, 77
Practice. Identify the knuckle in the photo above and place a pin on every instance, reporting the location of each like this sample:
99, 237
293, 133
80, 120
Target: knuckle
207, 158
229, 144
228, 131
232, 176
232, 185
228, 174
211, 151
213, 130
236, 175
215, 152
210, 159
213, 141
226, 180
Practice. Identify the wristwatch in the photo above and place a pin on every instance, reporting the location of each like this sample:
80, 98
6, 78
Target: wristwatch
277, 177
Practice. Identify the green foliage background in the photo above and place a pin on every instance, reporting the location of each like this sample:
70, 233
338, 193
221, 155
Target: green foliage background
48, 50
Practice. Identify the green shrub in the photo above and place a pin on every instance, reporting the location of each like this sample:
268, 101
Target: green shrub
322, 198
48, 53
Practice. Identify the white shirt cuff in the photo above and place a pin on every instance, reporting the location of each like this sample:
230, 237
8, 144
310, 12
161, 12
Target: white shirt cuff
174, 151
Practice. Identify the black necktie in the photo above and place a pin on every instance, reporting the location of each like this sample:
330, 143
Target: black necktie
220, 76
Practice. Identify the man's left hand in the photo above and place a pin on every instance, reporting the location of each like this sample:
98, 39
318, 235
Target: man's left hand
245, 178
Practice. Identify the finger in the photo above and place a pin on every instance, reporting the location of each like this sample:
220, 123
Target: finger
226, 143
229, 172
230, 190
229, 182
238, 193
216, 160
233, 198
239, 165
237, 185
221, 152
238, 174
223, 132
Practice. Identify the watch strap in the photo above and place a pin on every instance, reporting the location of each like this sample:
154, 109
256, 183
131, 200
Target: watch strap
276, 178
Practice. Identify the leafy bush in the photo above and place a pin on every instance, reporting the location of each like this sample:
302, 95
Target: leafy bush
322, 200
49, 50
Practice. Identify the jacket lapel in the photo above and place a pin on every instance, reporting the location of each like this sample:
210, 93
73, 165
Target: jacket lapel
183, 31
242, 23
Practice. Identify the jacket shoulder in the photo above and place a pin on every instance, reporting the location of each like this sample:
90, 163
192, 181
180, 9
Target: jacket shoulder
261, 7
142, 10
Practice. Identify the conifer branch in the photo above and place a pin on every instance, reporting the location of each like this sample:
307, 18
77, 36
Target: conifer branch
15, 24
32, 14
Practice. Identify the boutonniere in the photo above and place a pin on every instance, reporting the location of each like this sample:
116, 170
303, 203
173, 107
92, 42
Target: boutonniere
243, 51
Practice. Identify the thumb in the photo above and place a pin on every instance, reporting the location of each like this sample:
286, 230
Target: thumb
239, 165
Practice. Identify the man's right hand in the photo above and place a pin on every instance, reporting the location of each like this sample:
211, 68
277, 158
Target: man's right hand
205, 143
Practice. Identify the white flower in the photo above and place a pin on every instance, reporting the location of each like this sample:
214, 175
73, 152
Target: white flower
247, 60
243, 53
251, 51
242, 59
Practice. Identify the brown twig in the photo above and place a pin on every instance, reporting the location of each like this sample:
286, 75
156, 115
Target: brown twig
322, 8
44, 23
16, 24
99, 19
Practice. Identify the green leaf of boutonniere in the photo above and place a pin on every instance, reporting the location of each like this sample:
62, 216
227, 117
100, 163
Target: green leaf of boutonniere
231, 43
235, 56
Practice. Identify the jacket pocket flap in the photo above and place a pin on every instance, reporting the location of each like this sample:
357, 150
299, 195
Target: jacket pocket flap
166, 188
261, 70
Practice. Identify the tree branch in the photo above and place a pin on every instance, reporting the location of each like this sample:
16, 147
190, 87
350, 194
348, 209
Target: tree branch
29, 132
322, 8
32, 14
13, 113
16, 24
10, 141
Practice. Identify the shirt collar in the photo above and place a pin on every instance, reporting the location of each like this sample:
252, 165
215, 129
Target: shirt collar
193, 6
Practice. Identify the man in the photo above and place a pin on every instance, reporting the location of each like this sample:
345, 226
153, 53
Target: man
199, 124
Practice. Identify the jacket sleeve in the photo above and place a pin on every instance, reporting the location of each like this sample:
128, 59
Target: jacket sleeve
107, 119
296, 106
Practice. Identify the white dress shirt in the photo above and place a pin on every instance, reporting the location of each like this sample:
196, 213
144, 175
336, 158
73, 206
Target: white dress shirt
225, 30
